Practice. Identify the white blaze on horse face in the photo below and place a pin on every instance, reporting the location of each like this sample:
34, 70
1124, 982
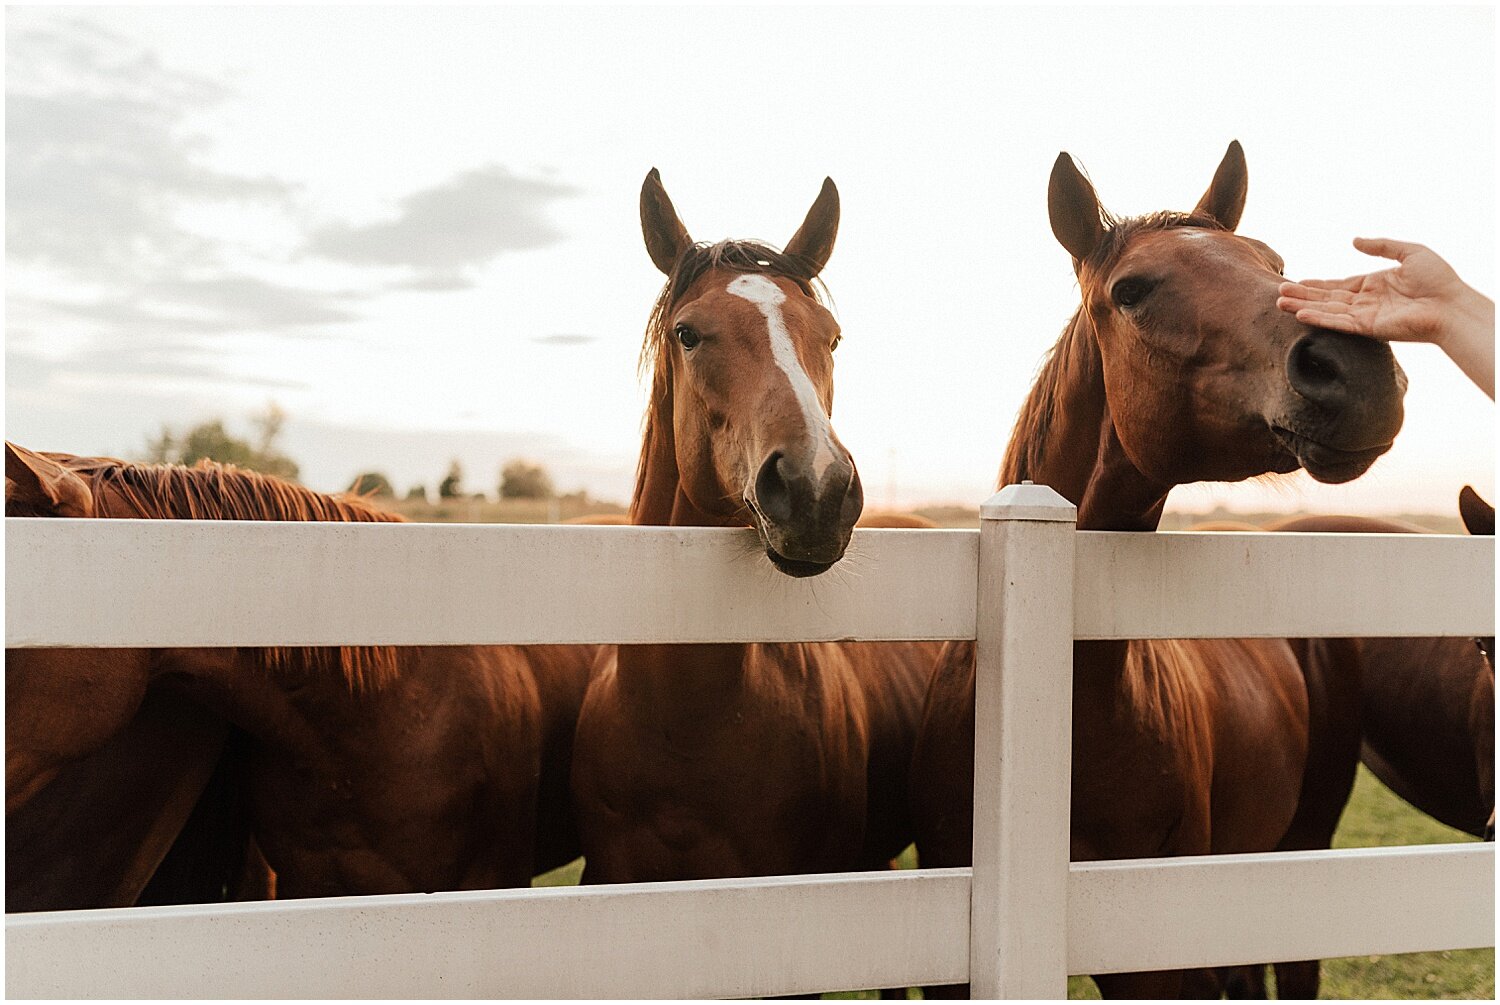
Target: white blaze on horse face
768, 297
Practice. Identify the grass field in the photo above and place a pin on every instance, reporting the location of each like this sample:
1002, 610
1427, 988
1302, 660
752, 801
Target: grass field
1375, 816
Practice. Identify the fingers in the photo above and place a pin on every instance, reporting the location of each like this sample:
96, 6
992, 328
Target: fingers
1314, 291
1319, 318
1350, 285
1386, 248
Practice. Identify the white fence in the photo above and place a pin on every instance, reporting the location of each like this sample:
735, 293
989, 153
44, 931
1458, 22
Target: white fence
1014, 925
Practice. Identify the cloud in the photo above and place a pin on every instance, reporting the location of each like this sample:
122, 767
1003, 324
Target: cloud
253, 302
102, 161
31, 371
434, 282
98, 159
462, 223
565, 339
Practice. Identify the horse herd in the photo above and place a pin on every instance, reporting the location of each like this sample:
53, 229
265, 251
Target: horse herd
182, 775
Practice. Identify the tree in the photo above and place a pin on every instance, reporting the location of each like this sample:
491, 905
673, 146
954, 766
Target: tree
417, 493
523, 480
452, 487
211, 441
372, 483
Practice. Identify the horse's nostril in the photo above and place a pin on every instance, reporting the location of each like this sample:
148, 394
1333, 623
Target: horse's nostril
1316, 368
772, 494
1314, 363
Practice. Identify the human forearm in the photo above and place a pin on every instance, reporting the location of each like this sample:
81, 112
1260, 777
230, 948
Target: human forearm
1468, 337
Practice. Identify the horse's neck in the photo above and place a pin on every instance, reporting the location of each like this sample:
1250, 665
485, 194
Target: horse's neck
685, 678
1078, 453
1075, 448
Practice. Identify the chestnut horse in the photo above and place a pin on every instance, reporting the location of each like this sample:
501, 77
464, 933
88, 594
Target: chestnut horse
701, 761
1426, 706
1175, 369
367, 770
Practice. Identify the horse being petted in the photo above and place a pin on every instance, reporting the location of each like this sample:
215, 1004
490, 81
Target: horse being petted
366, 769
699, 761
1176, 368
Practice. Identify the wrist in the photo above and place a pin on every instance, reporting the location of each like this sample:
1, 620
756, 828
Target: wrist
1468, 315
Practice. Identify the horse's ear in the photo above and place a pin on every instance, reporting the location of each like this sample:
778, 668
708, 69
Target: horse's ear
666, 237
813, 241
1073, 208
1225, 198
1479, 516
41, 483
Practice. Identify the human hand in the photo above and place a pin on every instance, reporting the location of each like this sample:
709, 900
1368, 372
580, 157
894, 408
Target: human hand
1420, 300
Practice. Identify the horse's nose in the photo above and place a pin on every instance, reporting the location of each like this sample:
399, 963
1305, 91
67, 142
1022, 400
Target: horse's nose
808, 511
1354, 381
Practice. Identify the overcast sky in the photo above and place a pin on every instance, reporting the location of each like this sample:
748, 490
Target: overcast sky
416, 230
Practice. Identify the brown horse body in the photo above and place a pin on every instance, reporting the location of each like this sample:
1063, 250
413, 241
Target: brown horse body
697, 761
375, 770
1175, 369
1425, 709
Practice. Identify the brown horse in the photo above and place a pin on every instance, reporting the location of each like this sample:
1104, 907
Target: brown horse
697, 761
1426, 706
1175, 369
368, 770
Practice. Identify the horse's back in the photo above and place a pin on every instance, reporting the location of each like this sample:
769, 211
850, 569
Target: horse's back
895, 521
1343, 524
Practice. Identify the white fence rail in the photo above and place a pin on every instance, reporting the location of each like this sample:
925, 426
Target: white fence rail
1015, 925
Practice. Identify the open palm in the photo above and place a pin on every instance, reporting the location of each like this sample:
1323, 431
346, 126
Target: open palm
1408, 303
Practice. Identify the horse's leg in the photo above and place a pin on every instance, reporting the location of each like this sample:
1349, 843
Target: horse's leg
1299, 980
1142, 984
208, 860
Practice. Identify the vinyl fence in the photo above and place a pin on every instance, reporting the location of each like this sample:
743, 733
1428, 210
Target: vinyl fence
1025, 586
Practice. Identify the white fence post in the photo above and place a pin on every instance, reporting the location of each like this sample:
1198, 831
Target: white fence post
1022, 744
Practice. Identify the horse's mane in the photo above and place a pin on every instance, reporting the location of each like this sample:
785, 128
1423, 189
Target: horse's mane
213, 491
1075, 356
1023, 455
739, 256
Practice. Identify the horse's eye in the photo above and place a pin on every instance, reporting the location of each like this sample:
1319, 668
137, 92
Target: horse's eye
836, 340
1129, 293
687, 336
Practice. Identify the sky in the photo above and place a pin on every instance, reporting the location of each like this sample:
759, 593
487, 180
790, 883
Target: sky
416, 230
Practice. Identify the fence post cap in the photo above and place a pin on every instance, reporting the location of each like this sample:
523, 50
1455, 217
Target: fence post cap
1028, 501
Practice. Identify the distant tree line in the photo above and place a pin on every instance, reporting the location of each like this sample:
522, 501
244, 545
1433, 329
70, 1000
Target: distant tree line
519, 478
211, 441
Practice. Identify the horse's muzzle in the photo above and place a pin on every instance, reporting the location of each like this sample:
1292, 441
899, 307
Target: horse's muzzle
805, 517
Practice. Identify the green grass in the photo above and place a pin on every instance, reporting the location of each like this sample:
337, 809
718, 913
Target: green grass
1377, 816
